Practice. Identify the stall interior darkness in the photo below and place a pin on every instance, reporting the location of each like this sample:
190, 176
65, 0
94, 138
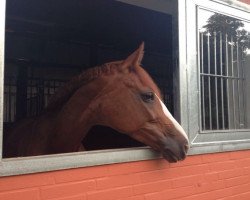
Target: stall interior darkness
48, 42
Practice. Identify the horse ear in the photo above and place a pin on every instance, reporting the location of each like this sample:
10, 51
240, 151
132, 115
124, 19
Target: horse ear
134, 60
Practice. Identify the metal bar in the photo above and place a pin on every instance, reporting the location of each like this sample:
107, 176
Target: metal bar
233, 89
238, 85
209, 82
4, 104
37, 97
227, 82
21, 107
9, 101
13, 104
216, 82
28, 98
47, 92
6, 93
222, 85
202, 83
243, 88
31, 96
221, 76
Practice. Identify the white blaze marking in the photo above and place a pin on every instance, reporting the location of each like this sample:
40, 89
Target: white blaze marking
172, 119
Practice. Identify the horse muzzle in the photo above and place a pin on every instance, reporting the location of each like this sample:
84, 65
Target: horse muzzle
174, 150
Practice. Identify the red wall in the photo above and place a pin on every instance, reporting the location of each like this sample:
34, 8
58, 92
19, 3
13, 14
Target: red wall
221, 176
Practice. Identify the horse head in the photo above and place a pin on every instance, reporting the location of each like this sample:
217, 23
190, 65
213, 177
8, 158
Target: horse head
132, 104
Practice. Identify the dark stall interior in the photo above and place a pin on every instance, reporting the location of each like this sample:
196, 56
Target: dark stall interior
48, 42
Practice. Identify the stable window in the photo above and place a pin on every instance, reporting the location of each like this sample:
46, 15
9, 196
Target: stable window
218, 75
47, 43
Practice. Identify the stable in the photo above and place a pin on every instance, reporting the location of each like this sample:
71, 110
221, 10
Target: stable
197, 52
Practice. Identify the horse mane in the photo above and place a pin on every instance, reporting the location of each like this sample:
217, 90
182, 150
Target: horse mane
64, 93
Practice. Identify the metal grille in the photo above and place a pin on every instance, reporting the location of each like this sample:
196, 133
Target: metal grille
222, 82
38, 94
9, 99
39, 91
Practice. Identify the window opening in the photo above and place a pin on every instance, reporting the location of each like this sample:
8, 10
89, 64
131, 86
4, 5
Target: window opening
46, 47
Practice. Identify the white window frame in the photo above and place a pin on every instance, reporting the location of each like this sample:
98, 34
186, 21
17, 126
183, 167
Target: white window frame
209, 141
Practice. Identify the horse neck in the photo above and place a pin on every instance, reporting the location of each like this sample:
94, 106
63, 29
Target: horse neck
77, 116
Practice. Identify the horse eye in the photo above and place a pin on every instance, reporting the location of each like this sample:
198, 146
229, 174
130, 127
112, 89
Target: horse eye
148, 97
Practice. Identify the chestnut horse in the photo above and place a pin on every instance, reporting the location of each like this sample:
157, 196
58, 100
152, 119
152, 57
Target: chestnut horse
120, 95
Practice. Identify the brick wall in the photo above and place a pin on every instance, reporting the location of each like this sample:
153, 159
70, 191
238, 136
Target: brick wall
220, 176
